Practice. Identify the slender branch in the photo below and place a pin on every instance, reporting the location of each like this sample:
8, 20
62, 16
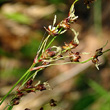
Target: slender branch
106, 50
24, 81
71, 62
51, 42
45, 42
44, 66
53, 38
41, 48
28, 71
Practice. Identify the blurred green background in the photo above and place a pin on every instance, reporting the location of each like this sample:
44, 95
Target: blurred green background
21, 32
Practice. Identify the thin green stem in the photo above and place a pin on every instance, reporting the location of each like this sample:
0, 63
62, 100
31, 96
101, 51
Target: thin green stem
44, 66
10, 108
53, 39
45, 43
42, 47
106, 50
36, 73
24, 81
13, 88
51, 42
71, 62
105, 44
16, 83
6, 107
32, 75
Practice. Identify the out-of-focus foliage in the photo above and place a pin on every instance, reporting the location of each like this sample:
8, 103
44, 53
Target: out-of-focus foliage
29, 50
99, 95
18, 17
104, 95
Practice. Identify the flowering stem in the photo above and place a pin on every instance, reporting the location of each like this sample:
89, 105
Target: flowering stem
28, 71
24, 81
71, 62
53, 39
41, 48
44, 66
32, 75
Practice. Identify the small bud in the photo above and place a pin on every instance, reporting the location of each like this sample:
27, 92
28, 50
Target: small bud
51, 54
53, 103
15, 101
40, 87
64, 23
47, 85
29, 82
48, 53
98, 52
45, 63
95, 59
19, 94
74, 57
29, 87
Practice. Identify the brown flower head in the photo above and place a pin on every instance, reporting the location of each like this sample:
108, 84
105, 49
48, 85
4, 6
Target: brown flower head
74, 57
40, 87
69, 46
15, 101
64, 24
52, 30
48, 53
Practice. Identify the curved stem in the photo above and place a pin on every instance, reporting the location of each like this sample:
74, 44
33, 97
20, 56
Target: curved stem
44, 66
71, 62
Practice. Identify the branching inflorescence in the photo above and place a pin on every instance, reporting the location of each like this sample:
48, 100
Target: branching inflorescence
47, 56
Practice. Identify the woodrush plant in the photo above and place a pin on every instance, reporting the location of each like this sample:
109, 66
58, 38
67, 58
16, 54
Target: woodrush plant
47, 56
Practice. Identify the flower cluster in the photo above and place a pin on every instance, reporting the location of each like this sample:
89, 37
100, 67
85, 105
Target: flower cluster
99, 52
70, 46
95, 59
74, 57
64, 25
28, 89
